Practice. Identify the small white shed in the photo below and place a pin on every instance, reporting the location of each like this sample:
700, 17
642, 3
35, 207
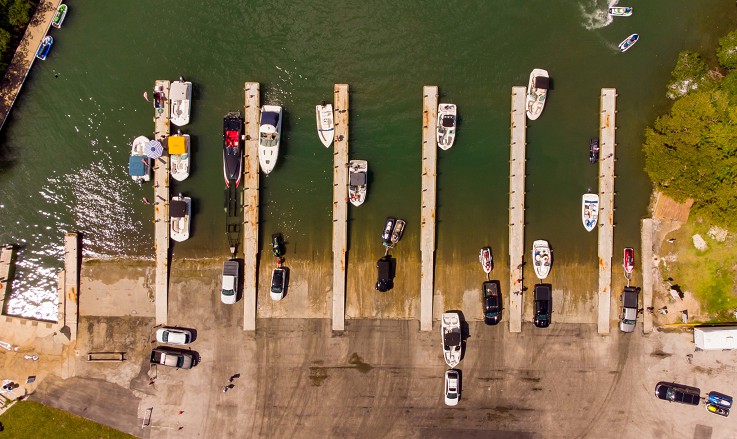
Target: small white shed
715, 337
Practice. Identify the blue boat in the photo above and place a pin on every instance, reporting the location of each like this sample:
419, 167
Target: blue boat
44, 48
628, 42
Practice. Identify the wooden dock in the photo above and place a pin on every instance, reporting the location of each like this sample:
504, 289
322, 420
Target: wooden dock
607, 144
251, 111
428, 199
161, 208
518, 135
340, 204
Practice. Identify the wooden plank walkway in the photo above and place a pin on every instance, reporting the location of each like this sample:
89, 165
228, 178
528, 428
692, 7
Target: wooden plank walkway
518, 134
71, 283
161, 209
646, 259
429, 200
607, 144
251, 111
340, 205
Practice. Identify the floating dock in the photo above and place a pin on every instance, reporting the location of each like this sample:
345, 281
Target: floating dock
428, 199
251, 111
607, 126
517, 152
340, 203
161, 207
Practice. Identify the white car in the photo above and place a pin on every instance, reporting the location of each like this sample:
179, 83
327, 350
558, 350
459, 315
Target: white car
452, 387
173, 336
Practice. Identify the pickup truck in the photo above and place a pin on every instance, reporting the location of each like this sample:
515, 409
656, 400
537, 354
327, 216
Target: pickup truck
172, 358
630, 305
678, 393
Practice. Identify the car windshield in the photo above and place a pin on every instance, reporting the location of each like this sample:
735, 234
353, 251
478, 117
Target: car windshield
228, 292
165, 336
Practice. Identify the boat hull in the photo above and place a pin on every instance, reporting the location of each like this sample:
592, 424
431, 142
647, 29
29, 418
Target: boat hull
59, 16
447, 116
397, 231
325, 124
589, 211
542, 258
179, 226
357, 181
232, 148
180, 95
485, 259
45, 47
536, 94
179, 163
628, 42
138, 155
628, 261
620, 11
269, 137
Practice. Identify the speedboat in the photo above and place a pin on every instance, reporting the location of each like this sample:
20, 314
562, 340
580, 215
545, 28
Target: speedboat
325, 124
278, 283
594, 150
43, 49
180, 95
628, 42
139, 164
232, 150
269, 137
446, 125
386, 235
179, 155
541, 258
620, 11
485, 259
180, 209
537, 92
397, 232
59, 16
450, 327
357, 179
589, 211
628, 261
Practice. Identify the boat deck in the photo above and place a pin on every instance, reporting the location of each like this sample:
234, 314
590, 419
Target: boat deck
428, 200
251, 176
161, 210
340, 204
607, 126
518, 133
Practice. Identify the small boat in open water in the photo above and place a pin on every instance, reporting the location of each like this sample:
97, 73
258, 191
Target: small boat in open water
139, 164
59, 16
594, 150
357, 181
620, 11
178, 145
485, 259
537, 92
180, 95
541, 258
325, 124
589, 211
45, 47
232, 149
628, 261
446, 125
628, 42
180, 210
269, 137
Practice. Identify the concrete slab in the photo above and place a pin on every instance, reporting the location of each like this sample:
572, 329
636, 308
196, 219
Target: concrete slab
518, 134
429, 202
252, 111
340, 204
607, 144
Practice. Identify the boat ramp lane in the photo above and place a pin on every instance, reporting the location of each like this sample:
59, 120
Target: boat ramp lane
646, 259
428, 199
340, 205
161, 206
252, 112
607, 127
71, 283
517, 152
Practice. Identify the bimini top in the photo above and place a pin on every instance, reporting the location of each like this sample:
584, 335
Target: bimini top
452, 338
449, 121
136, 166
269, 118
176, 145
542, 82
358, 179
177, 208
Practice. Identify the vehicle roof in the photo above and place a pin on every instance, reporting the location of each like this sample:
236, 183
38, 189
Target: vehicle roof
630, 299
543, 292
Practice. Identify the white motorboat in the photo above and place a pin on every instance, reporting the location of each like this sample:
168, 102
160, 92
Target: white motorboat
269, 137
180, 96
589, 211
397, 232
179, 155
139, 164
628, 42
537, 92
325, 124
446, 125
620, 11
386, 235
485, 259
357, 181
180, 209
541, 258
450, 331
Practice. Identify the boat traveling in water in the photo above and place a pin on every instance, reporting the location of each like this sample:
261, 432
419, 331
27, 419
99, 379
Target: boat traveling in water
628, 42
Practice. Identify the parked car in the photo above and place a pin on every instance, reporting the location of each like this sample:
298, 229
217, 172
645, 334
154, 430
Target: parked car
678, 393
543, 305
630, 305
229, 290
172, 358
173, 335
492, 302
452, 387
278, 283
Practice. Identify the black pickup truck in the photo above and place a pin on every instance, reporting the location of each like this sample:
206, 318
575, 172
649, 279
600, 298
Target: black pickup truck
678, 393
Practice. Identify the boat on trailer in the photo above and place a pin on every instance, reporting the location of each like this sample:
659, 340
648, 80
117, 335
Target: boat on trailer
594, 150
139, 164
542, 258
386, 235
59, 16
589, 211
269, 137
628, 42
357, 181
620, 11
450, 327
397, 232
45, 47
325, 124
180, 95
446, 125
178, 145
485, 259
180, 210
537, 92
628, 261
232, 149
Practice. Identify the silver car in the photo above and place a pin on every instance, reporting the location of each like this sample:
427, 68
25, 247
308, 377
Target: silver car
173, 336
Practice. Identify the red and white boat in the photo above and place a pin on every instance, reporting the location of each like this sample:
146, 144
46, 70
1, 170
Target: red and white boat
629, 261
485, 259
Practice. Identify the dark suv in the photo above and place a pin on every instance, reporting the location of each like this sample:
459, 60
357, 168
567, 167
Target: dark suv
385, 278
678, 393
492, 302
543, 305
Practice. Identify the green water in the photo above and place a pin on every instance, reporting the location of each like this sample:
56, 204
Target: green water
64, 148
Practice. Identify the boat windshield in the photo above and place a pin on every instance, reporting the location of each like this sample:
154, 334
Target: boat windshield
449, 121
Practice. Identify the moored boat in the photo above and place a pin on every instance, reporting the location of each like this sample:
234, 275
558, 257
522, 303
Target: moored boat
180, 95
325, 123
180, 209
450, 327
446, 125
59, 16
178, 145
269, 137
628, 261
139, 164
628, 42
45, 47
541, 258
485, 259
594, 150
537, 92
620, 11
589, 211
386, 235
357, 181
232, 149
397, 232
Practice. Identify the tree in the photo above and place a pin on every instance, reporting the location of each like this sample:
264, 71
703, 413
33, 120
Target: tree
727, 52
691, 73
19, 13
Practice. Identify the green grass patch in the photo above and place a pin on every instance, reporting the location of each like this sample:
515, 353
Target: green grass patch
32, 420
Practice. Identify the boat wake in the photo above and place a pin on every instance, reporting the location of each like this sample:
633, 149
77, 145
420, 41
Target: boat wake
594, 13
